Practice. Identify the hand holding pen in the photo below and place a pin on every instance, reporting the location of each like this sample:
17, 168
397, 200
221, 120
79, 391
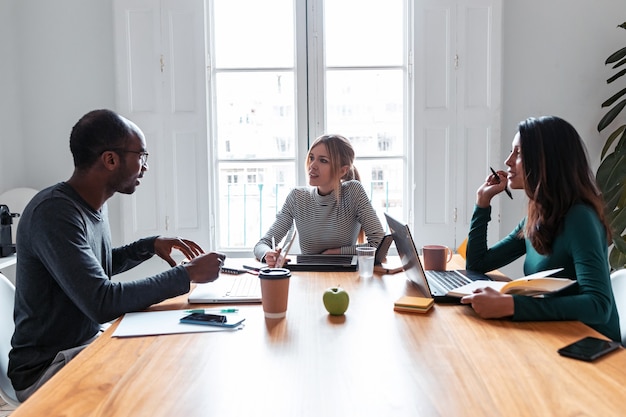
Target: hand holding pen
497, 178
272, 255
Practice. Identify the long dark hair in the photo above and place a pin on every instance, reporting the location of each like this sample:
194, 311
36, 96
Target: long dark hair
557, 176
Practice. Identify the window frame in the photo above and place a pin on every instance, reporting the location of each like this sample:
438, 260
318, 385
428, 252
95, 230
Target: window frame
310, 76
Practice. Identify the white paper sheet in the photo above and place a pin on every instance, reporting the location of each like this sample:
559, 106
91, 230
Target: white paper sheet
150, 323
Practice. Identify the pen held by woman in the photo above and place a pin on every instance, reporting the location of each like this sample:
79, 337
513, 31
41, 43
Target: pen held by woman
506, 188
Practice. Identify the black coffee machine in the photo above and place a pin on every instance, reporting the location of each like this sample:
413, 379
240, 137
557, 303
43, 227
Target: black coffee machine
6, 240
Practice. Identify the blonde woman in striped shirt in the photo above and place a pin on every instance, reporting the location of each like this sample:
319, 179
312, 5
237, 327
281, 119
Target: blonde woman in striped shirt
333, 214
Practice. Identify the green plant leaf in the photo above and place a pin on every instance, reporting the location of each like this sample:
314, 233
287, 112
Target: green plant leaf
614, 98
619, 64
611, 174
622, 141
611, 198
611, 115
616, 56
616, 76
618, 224
620, 243
611, 139
617, 259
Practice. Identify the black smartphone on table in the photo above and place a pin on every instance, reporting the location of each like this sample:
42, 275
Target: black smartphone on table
589, 348
203, 318
230, 321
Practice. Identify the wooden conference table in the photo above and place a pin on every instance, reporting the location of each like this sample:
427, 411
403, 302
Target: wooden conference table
370, 362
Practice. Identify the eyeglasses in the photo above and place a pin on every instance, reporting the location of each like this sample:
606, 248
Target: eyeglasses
143, 155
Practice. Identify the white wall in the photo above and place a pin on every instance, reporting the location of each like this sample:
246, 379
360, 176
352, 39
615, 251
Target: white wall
11, 143
57, 63
60, 65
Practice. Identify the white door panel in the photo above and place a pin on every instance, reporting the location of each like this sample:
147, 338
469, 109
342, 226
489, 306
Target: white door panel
161, 74
457, 114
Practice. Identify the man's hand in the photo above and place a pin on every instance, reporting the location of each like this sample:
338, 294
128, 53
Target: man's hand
163, 248
205, 268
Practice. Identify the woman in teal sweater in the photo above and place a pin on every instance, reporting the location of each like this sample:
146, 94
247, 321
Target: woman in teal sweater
565, 227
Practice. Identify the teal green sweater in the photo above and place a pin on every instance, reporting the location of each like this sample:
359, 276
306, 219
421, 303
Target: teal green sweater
580, 248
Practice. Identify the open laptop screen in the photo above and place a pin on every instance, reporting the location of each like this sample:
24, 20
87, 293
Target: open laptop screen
408, 254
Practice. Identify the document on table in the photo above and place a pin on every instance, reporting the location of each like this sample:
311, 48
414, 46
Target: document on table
152, 323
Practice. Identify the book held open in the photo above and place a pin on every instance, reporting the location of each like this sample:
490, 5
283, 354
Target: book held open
535, 284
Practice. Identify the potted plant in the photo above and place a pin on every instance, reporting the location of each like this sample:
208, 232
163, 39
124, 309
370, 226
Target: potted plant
611, 175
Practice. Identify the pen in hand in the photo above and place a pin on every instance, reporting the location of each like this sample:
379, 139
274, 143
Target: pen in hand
506, 188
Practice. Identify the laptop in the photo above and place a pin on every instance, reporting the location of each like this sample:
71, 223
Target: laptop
382, 250
433, 284
337, 263
228, 289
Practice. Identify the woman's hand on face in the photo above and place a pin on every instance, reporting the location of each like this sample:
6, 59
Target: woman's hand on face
490, 188
490, 304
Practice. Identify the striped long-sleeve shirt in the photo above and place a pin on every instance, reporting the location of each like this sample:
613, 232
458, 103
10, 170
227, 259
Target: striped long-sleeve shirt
325, 223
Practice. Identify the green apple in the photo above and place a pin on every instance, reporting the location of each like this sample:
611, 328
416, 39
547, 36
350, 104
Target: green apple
336, 300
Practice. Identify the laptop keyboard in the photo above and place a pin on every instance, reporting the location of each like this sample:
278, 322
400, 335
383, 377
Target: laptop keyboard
449, 280
244, 286
325, 259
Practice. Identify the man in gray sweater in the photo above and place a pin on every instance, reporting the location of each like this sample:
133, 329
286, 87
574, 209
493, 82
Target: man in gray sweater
65, 259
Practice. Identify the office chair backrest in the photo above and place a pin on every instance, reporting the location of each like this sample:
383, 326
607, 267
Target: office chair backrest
618, 282
7, 300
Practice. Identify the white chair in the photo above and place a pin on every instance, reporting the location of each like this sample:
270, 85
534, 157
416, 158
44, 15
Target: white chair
7, 300
16, 199
618, 282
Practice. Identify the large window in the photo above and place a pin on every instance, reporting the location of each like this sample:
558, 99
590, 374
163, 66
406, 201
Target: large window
415, 85
283, 72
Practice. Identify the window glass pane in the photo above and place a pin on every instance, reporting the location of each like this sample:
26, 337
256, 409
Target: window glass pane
253, 33
364, 32
255, 115
251, 194
367, 107
383, 181
254, 105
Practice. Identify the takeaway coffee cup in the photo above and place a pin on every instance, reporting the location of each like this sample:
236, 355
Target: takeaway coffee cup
436, 257
274, 291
